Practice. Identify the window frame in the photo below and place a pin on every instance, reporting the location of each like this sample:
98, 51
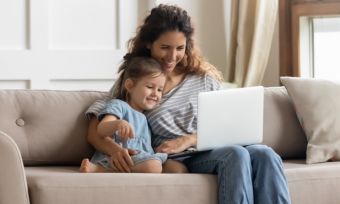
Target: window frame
290, 12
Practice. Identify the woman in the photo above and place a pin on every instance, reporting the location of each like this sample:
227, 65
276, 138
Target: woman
251, 174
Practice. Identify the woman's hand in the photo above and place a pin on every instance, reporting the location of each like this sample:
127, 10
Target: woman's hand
120, 160
177, 145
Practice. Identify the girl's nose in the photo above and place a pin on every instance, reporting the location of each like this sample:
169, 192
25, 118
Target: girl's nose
154, 91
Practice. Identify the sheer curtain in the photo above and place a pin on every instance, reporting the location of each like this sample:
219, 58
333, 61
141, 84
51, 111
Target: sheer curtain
249, 32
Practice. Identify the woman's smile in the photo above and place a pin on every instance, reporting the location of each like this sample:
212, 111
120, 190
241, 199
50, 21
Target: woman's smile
169, 49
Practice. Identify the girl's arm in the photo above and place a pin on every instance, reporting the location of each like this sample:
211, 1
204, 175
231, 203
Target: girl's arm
111, 124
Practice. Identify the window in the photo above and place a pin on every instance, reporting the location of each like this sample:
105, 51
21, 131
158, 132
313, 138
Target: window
310, 38
320, 47
326, 40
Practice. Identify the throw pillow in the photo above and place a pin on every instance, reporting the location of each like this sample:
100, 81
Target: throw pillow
317, 105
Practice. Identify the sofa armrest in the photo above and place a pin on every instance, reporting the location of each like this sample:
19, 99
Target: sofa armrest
13, 185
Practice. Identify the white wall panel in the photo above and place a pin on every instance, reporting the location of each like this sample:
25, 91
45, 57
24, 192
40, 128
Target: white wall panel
59, 44
23, 64
82, 24
84, 64
85, 84
13, 26
37, 24
63, 44
127, 9
14, 84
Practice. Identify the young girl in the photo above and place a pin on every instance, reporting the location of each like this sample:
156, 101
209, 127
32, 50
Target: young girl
139, 88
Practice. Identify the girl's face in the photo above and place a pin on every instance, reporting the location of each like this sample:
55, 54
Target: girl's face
146, 93
169, 49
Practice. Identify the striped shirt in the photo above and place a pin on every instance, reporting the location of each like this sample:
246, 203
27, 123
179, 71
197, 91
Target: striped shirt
177, 113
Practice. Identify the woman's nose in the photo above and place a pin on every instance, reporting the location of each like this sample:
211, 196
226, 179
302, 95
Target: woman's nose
172, 55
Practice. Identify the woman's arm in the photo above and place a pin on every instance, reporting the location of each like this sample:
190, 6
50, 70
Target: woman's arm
178, 145
103, 144
120, 157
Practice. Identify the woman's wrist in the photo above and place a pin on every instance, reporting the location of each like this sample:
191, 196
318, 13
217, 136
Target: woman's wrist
190, 140
114, 147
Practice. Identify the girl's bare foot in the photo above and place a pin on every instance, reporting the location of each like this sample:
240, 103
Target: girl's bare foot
87, 167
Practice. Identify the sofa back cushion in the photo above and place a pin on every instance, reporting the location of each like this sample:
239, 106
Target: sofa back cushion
49, 127
282, 130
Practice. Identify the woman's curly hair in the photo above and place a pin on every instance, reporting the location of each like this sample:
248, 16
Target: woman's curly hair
164, 18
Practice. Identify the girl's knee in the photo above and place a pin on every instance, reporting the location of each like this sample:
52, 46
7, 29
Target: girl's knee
149, 166
173, 166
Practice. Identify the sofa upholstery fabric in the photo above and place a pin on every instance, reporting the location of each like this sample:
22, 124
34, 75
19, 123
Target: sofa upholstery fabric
313, 183
48, 126
282, 130
65, 184
43, 140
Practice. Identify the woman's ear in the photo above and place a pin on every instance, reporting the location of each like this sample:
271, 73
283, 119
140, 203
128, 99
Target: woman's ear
128, 84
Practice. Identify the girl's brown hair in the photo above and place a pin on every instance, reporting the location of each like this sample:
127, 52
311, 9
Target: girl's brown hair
135, 69
164, 18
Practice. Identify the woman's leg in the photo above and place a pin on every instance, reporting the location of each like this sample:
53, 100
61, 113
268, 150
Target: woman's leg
269, 182
233, 169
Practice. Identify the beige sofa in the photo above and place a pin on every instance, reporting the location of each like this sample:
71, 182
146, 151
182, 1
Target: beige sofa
42, 141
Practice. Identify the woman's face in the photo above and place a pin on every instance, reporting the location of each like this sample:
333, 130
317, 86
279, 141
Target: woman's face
169, 49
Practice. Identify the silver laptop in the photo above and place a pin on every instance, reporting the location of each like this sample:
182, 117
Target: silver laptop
228, 117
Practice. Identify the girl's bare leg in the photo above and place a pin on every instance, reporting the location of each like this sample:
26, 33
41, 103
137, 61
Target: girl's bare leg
149, 166
173, 166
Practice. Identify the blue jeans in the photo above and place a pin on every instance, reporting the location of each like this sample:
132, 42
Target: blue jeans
251, 174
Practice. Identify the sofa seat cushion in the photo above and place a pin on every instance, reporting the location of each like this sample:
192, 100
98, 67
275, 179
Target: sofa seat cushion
313, 183
55, 185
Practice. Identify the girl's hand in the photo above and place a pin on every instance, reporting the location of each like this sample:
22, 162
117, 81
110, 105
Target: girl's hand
177, 145
124, 129
111, 125
120, 160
